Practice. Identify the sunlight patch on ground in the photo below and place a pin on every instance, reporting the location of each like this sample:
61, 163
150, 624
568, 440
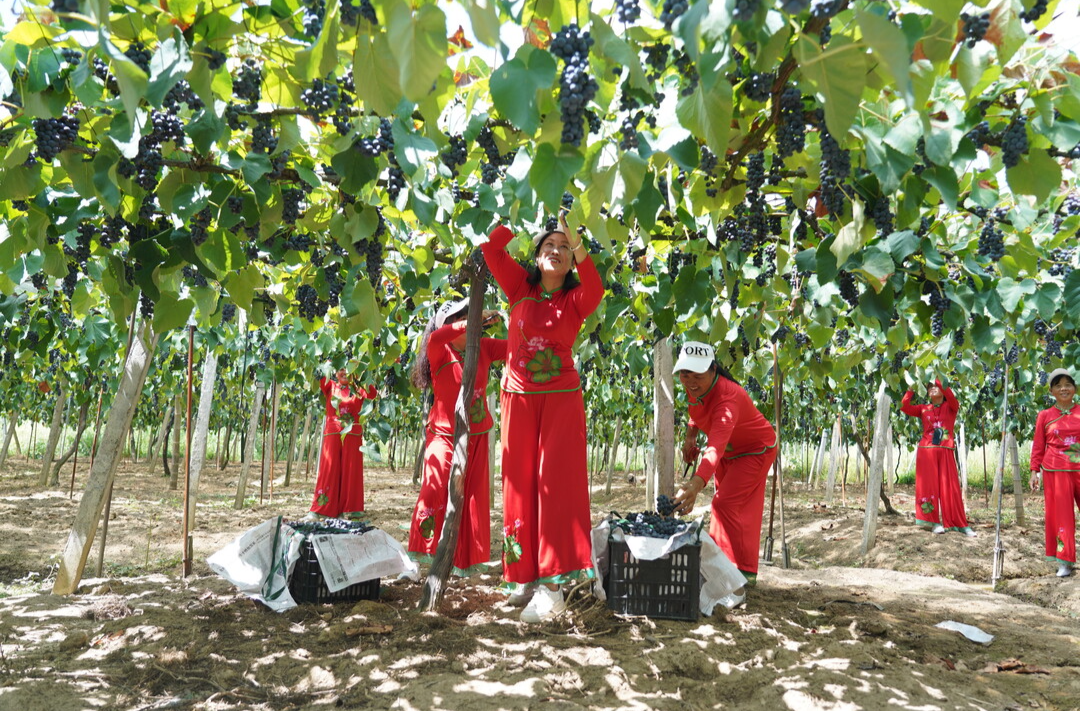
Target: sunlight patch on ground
416, 660
833, 664
588, 656
801, 701
524, 688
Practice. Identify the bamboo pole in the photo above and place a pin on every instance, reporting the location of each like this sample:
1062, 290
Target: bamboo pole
185, 533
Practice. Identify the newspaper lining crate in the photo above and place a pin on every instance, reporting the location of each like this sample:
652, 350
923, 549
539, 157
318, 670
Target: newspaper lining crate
668, 587
308, 585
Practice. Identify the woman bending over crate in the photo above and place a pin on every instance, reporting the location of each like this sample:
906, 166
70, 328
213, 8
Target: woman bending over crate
740, 449
440, 361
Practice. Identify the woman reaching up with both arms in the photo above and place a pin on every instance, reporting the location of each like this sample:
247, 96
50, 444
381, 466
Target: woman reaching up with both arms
939, 503
546, 514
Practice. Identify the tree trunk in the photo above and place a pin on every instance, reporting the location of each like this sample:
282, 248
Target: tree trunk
890, 469
615, 454
12, 423
55, 478
291, 454
54, 438
432, 593
1018, 480
877, 459
177, 427
834, 460
170, 422
202, 431
313, 449
961, 461
81, 537
249, 446
223, 449
819, 458
662, 478
268, 451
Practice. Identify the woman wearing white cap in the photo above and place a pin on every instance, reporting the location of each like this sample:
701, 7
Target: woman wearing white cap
1057, 431
546, 514
339, 486
740, 449
939, 503
439, 364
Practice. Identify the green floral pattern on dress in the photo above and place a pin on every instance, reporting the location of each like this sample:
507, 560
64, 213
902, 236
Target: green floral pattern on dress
544, 366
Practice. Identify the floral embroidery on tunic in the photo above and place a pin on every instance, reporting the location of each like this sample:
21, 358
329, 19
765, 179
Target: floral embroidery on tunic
511, 547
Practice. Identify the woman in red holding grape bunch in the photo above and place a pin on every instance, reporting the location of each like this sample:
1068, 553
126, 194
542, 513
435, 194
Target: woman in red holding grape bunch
1057, 434
439, 364
939, 503
546, 532
339, 487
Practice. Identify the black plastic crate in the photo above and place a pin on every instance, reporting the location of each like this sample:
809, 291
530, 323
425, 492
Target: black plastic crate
308, 585
668, 587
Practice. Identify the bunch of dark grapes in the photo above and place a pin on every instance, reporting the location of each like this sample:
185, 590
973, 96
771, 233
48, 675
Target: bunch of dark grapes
247, 86
628, 11
665, 506
146, 306
489, 173
65, 6
780, 334
656, 59
228, 312
758, 86
1014, 142
334, 282
455, 154
194, 276
165, 127
215, 59
1035, 12
991, 241
576, 87
744, 10
791, 131
794, 7
940, 303
364, 9
673, 10
330, 525
849, 289
181, 93
235, 203
112, 230
898, 360
312, 17
649, 525
320, 97
979, 133
263, 139
958, 337
1061, 261
291, 199
299, 242
200, 226
1053, 348
395, 182
486, 140
882, 216
309, 305
825, 8
140, 55
975, 27
835, 169
53, 135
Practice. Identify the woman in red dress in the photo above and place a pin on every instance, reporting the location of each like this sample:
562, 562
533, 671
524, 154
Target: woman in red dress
439, 365
339, 487
939, 503
1057, 431
546, 514
740, 449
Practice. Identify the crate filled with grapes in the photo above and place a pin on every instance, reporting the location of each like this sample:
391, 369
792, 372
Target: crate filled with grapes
665, 586
307, 583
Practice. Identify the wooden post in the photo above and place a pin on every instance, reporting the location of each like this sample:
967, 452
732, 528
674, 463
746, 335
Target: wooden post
961, 460
249, 446
290, 454
81, 537
273, 435
174, 475
316, 442
877, 458
12, 423
74, 450
185, 547
819, 458
662, 475
202, 431
54, 436
890, 464
834, 461
614, 456
1018, 480
433, 589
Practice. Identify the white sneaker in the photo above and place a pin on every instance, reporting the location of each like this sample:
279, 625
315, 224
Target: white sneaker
312, 516
733, 600
522, 595
939, 528
545, 605
969, 533
1064, 570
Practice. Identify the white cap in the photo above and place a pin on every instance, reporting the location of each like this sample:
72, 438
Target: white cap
450, 308
695, 356
1056, 373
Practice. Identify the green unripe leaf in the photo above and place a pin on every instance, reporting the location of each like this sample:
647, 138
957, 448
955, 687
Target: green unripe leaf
514, 86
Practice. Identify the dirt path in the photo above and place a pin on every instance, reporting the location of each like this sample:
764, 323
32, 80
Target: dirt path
834, 631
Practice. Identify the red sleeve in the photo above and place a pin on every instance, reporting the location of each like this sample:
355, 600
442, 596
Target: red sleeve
587, 297
494, 348
907, 408
725, 414
509, 274
442, 336
1038, 442
951, 402
325, 384
371, 393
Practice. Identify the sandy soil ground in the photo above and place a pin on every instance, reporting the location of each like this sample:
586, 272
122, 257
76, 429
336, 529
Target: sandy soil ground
834, 630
